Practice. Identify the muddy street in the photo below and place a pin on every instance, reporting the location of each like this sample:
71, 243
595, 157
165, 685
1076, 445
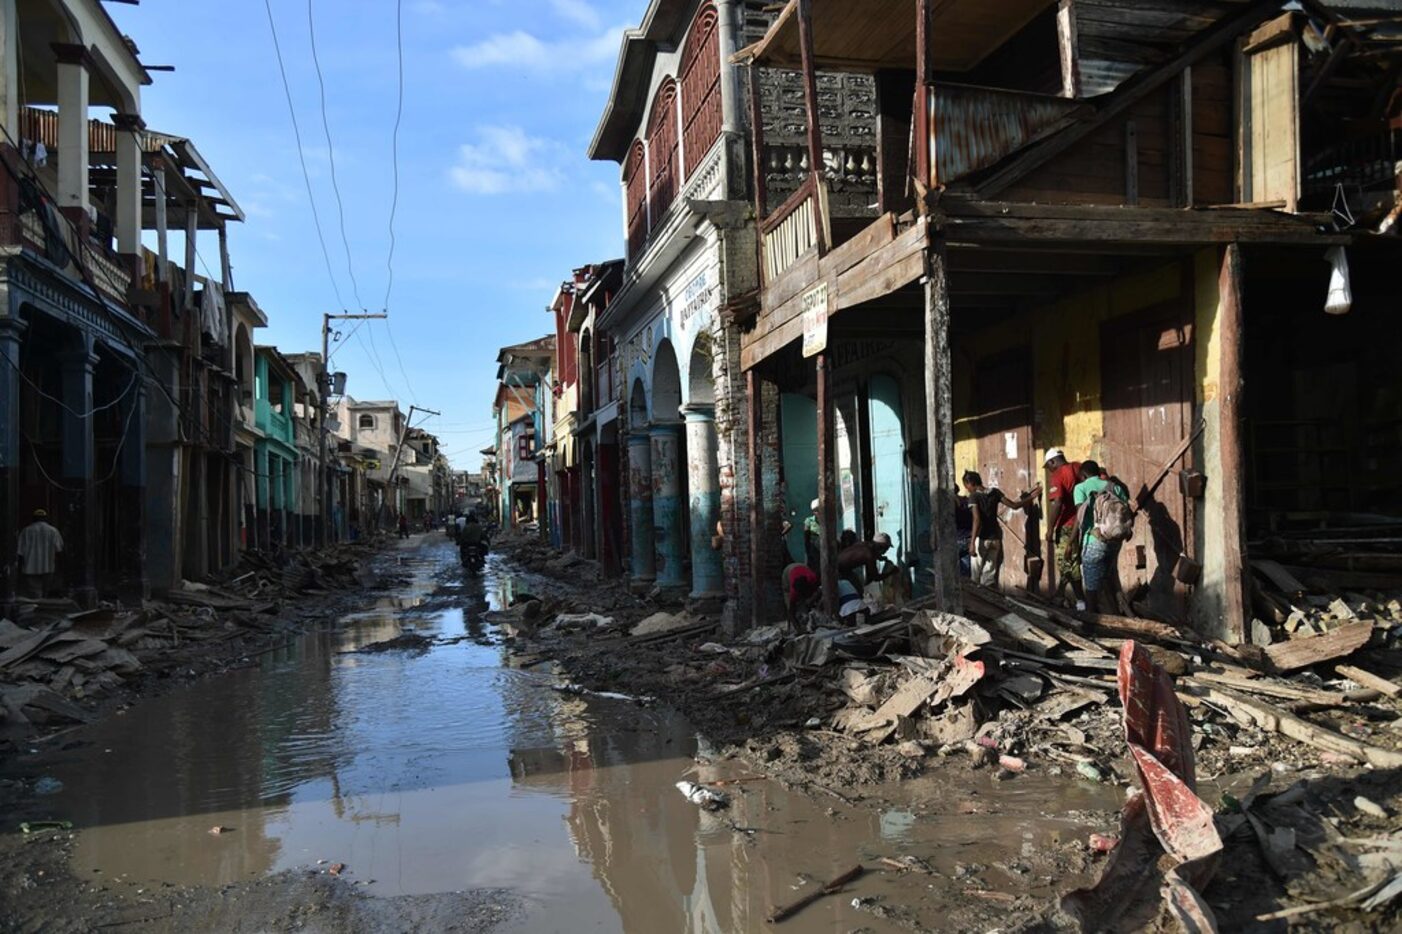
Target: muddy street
400, 783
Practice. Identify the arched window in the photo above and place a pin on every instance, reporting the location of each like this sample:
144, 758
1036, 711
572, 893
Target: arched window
700, 73
635, 194
662, 150
367, 423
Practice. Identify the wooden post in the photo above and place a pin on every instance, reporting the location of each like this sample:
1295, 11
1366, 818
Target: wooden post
939, 424
191, 233
1231, 325
810, 88
754, 392
1069, 46
827, 514
924, 158
757, 142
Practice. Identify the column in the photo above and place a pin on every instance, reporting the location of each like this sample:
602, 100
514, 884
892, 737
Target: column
703, 476
827, 485
261, 493
939, 424
72, 126
731, 89
128, 219
77, 520
642, 540
667, 502
164, 554
131, 495
754, 425
11, 334
9, 68
1231, 325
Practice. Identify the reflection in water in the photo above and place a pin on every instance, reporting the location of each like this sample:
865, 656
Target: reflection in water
441, 771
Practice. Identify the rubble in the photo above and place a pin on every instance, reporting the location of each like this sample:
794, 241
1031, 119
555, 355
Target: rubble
56, 658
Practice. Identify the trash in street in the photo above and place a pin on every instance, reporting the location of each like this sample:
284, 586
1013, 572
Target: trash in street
35, 826
708, 799
830, 888
48, 785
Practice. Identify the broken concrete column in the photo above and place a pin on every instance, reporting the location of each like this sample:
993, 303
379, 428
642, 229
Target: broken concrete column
667, 502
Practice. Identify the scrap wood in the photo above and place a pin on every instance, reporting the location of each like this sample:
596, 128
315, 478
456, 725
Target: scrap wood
1311, 650
1274, 572
1369, 680
1271, 688
26, 647
1269, 717
788, 911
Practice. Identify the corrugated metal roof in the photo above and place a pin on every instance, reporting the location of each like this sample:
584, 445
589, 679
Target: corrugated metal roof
976, 127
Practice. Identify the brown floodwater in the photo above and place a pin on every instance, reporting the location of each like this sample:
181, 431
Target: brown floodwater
446, 770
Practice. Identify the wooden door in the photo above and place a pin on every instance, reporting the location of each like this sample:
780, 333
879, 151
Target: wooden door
1146, 394
1003, 425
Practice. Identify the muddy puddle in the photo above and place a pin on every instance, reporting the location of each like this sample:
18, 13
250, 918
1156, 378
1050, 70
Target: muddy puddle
444, 770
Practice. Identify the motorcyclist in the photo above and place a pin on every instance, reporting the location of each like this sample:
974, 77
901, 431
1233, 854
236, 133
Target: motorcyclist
471, 537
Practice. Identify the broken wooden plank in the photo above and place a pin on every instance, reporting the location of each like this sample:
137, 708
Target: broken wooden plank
1275, 689
1295, 654
1367, 679
1269, 717
1024, 633
26, 647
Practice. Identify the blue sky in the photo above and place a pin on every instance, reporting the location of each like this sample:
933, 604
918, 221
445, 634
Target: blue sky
497, 204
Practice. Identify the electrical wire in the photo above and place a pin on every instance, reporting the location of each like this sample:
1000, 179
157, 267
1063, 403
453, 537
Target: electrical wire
302, 156
331, 157
63, 405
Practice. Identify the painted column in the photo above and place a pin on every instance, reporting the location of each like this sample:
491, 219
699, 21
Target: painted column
667, 502
644, 557
73, 98
703, 475
132, 501
128, 192
77, 521
11, 334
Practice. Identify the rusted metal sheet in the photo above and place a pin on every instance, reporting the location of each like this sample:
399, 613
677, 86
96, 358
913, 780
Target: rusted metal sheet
973, 128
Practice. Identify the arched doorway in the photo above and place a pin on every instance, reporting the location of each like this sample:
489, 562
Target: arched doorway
703, 472
668, 494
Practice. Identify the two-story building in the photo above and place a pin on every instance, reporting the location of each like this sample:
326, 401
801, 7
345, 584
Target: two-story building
599, 510
275, 455
1153, 234
524, 413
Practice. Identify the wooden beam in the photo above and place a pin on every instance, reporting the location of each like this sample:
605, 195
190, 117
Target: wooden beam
1184, 143
1030, 262
827, 509
939, 429
810, 88
1206, 43
922, 134
191, 233
1231, 324
754, 424
1131, 163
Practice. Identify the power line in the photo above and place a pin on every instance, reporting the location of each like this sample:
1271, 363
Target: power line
302, 156
331, 157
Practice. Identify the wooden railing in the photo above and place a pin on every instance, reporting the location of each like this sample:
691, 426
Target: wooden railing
798, 226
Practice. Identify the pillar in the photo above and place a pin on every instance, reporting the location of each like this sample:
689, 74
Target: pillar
641, 538
11, 334
939, 424
827, 485
73, 97
1236, 599
731, 89
128, 219
667, 502
78, 521
131, 495
754, 425
162, 513
158, 181
703, 482
261, 494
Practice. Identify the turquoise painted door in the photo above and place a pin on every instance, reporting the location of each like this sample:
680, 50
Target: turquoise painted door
799, 415
890, 488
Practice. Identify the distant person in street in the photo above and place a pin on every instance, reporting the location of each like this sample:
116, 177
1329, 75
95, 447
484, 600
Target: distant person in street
1062, 537
985, 531
801, 587
866, 557
37, 553
403, 526
1103, 528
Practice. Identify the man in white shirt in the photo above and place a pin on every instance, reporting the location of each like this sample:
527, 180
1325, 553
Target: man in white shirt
37, 554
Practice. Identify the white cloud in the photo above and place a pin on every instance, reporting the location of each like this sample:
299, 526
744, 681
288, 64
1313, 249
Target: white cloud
537, 56
507, 159
577, 11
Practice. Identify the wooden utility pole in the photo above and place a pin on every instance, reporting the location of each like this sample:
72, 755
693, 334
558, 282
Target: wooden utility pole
403, 435
324, 387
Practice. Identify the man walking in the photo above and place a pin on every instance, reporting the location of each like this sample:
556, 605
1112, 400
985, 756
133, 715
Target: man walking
37, 556
1062, 537
986, 534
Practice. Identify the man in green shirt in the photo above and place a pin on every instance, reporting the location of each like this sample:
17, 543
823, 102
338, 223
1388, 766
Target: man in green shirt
1098, 556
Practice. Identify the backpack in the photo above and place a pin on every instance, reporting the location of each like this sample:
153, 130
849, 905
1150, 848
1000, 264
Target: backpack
1111, 516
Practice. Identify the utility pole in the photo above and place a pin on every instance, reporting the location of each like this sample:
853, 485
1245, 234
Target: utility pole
399, 448
326, 492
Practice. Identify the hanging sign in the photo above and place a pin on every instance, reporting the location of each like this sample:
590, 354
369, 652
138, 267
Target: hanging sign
815, 320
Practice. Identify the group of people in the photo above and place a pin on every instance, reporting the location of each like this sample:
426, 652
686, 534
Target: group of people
1091, 517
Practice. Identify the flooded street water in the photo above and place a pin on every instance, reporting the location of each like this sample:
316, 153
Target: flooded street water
446, 770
